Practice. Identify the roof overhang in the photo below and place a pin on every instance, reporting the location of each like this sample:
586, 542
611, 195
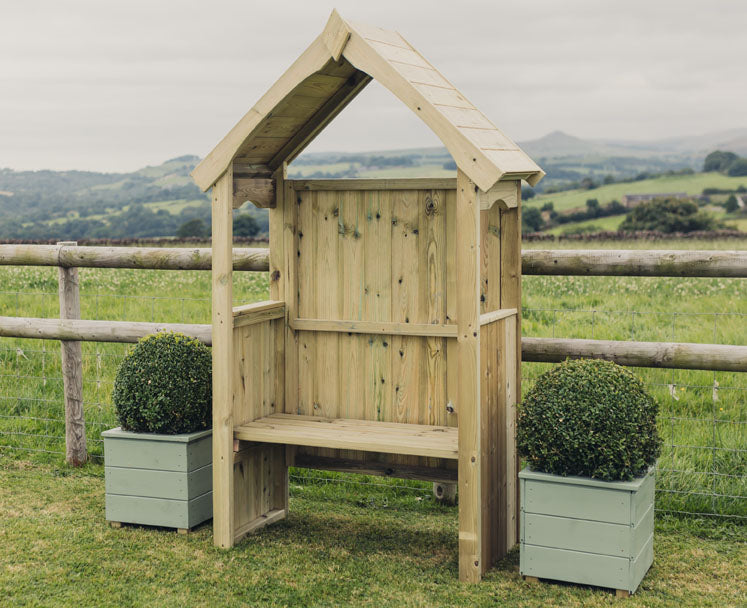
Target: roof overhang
330, 74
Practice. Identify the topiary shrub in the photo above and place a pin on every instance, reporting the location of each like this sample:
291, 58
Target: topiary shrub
164, 385
590, 418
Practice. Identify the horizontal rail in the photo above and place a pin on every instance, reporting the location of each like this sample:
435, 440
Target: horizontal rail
374, 327
672, 355
95, 331
582, 262
155, 258
634, 263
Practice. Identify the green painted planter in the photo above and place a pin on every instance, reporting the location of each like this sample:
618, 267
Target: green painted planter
158, 480
586, 531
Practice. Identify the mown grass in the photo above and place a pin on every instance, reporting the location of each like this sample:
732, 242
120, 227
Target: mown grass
337, 548
703, 414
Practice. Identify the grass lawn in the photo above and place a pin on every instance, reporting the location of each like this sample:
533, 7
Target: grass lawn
338, 548
703, 415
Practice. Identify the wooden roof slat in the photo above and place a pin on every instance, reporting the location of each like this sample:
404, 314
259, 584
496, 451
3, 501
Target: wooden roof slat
330, 73
443, 96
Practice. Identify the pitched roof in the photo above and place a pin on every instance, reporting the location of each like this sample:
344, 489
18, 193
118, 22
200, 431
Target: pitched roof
330, 73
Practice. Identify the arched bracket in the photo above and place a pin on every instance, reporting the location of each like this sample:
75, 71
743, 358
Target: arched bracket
506, 193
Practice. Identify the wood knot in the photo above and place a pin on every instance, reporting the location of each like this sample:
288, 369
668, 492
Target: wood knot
275, 275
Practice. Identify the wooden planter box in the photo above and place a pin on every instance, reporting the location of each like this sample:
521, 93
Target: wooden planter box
586, 531
158, 480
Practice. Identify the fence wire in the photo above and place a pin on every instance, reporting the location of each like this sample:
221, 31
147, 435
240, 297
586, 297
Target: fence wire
702, 420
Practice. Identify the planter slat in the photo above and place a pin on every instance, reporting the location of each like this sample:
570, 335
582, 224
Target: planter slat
580, 502
587, 531
158, 480
175, 485
147, 511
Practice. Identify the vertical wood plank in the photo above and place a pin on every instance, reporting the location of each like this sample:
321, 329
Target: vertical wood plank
377, 303
275, 469
306, 301
511, 458
432, 276
278, 291
468, 403
406, 306
326, 221
452, 347
222, 317
291, 247
492, 374
76, 452
511, 298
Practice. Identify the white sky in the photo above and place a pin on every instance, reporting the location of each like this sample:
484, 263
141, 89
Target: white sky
113, 85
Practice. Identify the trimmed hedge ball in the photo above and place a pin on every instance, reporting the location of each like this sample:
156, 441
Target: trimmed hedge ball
164, 385
590, 418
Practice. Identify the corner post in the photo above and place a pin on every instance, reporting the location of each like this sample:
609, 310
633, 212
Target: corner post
76, 452
468, 391
511, 298
222, 287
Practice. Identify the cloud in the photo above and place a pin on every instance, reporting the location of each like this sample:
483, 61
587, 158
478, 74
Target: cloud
115, 85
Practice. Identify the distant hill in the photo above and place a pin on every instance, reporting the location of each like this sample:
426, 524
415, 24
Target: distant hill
558, 144
155, 201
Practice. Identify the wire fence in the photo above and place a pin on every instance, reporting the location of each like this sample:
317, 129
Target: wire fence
703, 415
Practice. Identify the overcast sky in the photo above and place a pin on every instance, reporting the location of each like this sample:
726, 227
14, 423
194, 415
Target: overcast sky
115, 85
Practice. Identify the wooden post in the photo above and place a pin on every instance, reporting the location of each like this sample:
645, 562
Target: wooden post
468, 392
72, 367
511, 298
222, 285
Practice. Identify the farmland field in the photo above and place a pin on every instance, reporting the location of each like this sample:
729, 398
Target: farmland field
703, 414
689, 184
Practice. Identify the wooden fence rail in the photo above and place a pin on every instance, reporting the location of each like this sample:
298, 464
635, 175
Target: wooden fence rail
571, 262
71, 330
673, 355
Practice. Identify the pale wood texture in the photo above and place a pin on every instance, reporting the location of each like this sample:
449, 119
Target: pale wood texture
157, 258
481, 150
468, 402
371, 467
496, 315
373, 262
330, 73
95, 331
635, 263
223, 365
261, 473
335, 35
257, 190
372, 327
76, 452
587, 262
668, 355
259, 312
511, 298
503, 193
347, 434
404, 183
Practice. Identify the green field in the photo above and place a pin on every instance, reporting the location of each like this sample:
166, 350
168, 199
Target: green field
368, 546
353, 540
703, 414
690, 184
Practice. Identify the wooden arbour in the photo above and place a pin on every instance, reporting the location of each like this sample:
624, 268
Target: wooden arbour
391, 342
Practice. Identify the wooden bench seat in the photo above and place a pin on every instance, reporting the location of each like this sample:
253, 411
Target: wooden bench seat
346, 434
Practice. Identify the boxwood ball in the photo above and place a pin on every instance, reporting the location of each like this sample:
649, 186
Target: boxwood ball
590, 418
164, 385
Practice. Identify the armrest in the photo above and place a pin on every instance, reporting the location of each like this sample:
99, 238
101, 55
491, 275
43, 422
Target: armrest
258, 312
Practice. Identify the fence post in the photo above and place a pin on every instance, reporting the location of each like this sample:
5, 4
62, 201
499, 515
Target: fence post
72, 367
